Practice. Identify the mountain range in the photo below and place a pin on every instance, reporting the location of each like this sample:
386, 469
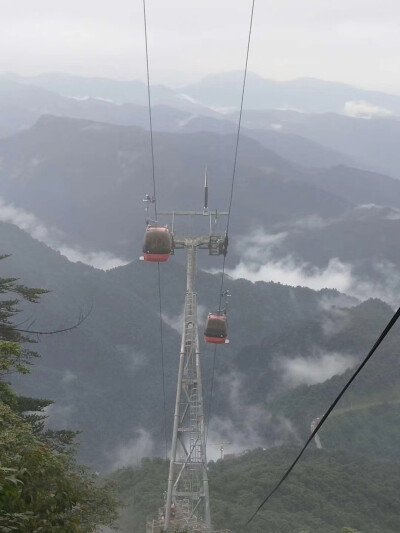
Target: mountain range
313, 269
220, 91
111, 363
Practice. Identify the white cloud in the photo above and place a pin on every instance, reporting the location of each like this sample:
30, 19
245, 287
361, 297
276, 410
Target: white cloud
335, 316
311, 222
253, 426
363, 109
133, 451
27, 222
336, 275
68, 377
134, 360
54, 238
185, 121
314, 369
382, 283
101, 260
59, 415
384, 212
176, 322
260, 246
259, 262
337, 302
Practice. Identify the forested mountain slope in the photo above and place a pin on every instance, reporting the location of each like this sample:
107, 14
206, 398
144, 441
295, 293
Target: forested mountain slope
22, 105
326, 492
366, 419
106, 376
100, 173
111, 364
371, 143
296, 218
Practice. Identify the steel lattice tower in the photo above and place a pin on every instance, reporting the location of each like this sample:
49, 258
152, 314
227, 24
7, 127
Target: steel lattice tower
188, 479
187, 506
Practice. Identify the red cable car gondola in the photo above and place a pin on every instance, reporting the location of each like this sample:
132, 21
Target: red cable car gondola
216, 330
157, 244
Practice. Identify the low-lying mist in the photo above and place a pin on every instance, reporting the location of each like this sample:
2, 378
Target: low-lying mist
261, 262
55, 238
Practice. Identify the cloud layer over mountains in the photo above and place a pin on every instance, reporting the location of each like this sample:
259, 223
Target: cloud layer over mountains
310, 212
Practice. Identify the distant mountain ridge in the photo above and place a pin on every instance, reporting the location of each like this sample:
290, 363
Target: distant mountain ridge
309, 139
221, 91
100, 172
304, 94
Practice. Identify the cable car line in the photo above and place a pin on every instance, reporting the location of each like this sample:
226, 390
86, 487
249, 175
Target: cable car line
154, 200
149, 110
378, 342
211, 392
237, 146
221, 292
381, 337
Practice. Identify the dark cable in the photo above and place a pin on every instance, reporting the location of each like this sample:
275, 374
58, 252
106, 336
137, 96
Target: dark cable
162, 361
231, 196
328, 412
156, 218
211, 392
149, 109
237, 144
241, 111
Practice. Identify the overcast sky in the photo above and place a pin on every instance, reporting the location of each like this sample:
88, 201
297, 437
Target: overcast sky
355, 41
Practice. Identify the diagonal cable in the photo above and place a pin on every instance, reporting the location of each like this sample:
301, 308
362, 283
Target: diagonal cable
237, 143
231, 198
149, 110
211, 393
155, 216
381, 337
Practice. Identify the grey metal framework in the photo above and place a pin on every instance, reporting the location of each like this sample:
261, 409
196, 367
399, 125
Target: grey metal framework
188, 479
187, 493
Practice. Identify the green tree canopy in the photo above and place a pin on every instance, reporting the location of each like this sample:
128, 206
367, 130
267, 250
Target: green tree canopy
42, 489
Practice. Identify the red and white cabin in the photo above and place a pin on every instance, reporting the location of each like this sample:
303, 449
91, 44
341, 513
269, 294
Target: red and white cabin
157, 244
216, 330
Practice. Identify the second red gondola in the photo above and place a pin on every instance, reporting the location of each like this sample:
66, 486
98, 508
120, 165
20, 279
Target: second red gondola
216, 330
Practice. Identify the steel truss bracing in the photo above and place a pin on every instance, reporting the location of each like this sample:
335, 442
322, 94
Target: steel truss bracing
188, 504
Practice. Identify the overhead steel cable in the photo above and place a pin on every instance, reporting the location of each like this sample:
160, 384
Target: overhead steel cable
328, 412
211, 392
231, 199
156, 219
149, 110
237, 146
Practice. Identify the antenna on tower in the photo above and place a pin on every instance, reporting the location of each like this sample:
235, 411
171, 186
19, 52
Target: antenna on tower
205, 192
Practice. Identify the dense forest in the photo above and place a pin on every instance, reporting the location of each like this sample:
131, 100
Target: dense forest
42, 488
328, 492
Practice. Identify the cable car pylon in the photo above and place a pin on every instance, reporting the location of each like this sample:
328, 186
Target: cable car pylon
187, 505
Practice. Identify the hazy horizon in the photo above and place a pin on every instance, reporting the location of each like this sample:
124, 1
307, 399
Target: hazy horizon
353, 42
171, 79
